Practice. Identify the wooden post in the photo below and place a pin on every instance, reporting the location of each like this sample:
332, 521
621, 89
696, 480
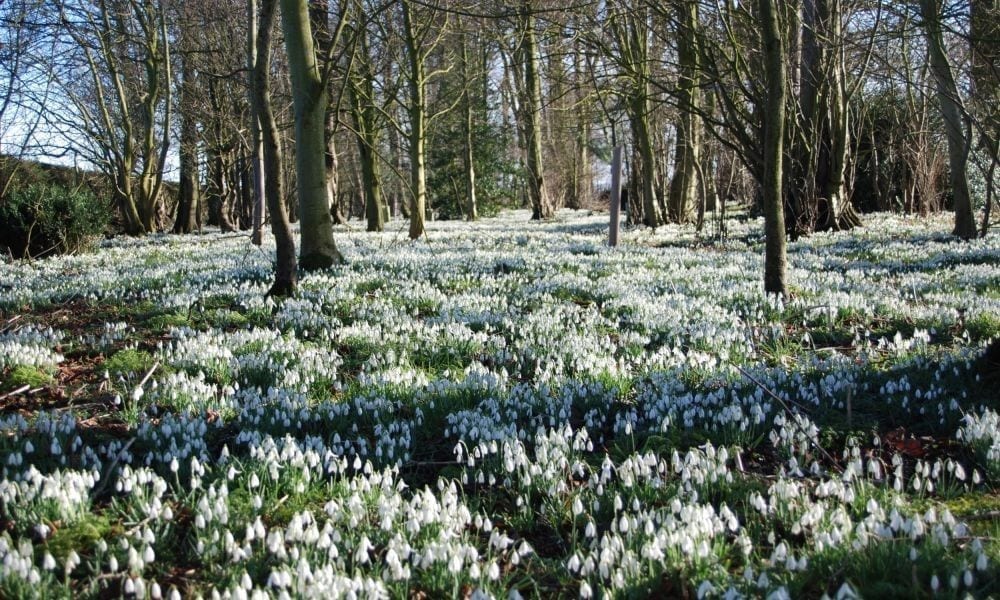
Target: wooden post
616, 195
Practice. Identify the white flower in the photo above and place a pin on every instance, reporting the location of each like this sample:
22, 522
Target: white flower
72, 560
361, 552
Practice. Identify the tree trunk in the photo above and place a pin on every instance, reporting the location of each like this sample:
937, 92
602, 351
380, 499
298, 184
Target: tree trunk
371, 179
541, 205
417, 110
684, 188
188, 197
257, 151
952, 112
319, 19
125, 200
468, 158
286, 270
773, 131
364, 113
639, 115
309, 100
836, 212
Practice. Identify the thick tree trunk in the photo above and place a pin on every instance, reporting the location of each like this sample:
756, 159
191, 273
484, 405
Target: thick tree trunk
951, 111
773, 131
219, 191
286, 270
639, 115
319, 19
125, 200
309, 100
189, 194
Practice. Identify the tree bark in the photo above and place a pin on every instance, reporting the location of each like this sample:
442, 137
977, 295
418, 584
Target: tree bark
773, 133
417, 109
364, 113
285, 270
950, 104
541, 205
684, 188
189, 194
256, 140
309, 101
639, 115
468, 158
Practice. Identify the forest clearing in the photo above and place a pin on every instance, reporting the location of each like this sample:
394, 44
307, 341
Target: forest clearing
506, 408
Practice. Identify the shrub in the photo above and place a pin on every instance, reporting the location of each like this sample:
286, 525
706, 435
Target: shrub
41, 220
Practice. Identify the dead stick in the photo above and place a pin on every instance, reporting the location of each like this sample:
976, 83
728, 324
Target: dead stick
792, 413
149, 373
7, 325
20, 390
111, 468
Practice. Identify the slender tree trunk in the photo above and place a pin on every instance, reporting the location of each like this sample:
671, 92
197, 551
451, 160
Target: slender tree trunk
364, 113
684, 187
257, 150
367, 139
773, 139
309, 100
990, 188
286, 270
417, 110
951, 110
541, 205
468, 158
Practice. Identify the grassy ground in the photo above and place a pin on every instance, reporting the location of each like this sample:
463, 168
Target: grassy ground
505, 408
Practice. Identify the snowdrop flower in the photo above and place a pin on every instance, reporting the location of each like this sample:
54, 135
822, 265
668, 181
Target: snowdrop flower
362, 550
